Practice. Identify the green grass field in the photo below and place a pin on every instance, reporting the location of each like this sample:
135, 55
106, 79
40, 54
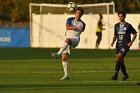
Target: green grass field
33, 70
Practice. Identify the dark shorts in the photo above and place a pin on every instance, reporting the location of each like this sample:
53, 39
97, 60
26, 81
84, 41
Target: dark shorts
98, 33
122, 50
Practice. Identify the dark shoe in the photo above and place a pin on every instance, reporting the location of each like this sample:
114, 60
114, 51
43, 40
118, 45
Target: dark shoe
125, 78
115, 77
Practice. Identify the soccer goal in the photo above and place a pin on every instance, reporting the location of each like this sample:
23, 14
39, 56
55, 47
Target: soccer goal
47, 24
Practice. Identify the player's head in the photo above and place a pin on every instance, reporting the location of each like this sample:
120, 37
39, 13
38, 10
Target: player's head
101, 16
122, 12
122, 15
80, 9
79, 12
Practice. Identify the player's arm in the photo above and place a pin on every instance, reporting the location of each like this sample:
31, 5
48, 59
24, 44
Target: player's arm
115, 35
84, 25
134, 32
133, 39
100, 24
114, 39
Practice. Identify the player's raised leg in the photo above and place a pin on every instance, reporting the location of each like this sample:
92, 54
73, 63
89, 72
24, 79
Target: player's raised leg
63, 48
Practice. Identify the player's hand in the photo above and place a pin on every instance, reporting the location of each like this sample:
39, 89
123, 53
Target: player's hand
129, 44
112, 44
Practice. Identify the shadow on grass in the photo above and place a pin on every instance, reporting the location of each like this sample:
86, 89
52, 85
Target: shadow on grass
79, 85
45, 53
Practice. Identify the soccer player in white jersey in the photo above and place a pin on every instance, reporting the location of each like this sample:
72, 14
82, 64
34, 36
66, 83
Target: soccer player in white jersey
74, 27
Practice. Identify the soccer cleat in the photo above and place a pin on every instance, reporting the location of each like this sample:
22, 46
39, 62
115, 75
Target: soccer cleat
125, 78
115, 77
55, 55
65, 78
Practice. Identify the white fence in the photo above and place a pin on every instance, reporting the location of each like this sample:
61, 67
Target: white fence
49, 35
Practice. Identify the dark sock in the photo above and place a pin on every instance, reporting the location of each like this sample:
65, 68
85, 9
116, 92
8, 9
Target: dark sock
97, 42
117, 68
123, 69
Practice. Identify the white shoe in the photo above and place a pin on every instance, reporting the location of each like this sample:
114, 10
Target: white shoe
65, 78
55, 55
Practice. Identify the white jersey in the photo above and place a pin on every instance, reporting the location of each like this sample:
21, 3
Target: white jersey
74, 33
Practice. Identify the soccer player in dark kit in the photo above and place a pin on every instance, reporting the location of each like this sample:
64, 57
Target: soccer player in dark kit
122, 33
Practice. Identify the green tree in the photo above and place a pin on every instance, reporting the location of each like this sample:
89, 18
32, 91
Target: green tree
19, 9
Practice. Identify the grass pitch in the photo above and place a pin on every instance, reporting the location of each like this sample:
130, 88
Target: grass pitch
33, 70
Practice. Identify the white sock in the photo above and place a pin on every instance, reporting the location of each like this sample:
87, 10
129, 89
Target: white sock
65, 67
62, 49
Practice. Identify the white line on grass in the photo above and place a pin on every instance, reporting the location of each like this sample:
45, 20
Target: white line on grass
46, 71
98, 71
83, 67
28, 72
110, 81
91, 71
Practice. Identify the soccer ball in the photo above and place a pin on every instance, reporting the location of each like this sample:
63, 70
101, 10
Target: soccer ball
71, 6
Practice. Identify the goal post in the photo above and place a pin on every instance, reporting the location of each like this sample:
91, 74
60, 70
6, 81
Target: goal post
47, 24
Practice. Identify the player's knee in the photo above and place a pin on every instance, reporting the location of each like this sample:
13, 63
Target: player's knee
117, 58
64, 57
68, 41
99, 38
120, 57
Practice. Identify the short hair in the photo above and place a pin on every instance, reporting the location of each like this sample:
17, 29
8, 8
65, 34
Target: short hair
100, 15
80, 9
122, 12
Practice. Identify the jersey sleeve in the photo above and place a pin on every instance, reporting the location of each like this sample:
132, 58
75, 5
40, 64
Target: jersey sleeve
69, 20
84, 25
133, 31
115, 30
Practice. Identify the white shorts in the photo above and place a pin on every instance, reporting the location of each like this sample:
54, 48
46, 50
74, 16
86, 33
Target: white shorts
75, 42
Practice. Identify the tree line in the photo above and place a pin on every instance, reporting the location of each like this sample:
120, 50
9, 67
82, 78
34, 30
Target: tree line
18, 10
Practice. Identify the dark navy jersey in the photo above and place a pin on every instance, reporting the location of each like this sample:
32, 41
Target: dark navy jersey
123, 33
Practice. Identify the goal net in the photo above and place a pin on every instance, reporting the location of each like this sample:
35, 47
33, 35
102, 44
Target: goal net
47, 24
